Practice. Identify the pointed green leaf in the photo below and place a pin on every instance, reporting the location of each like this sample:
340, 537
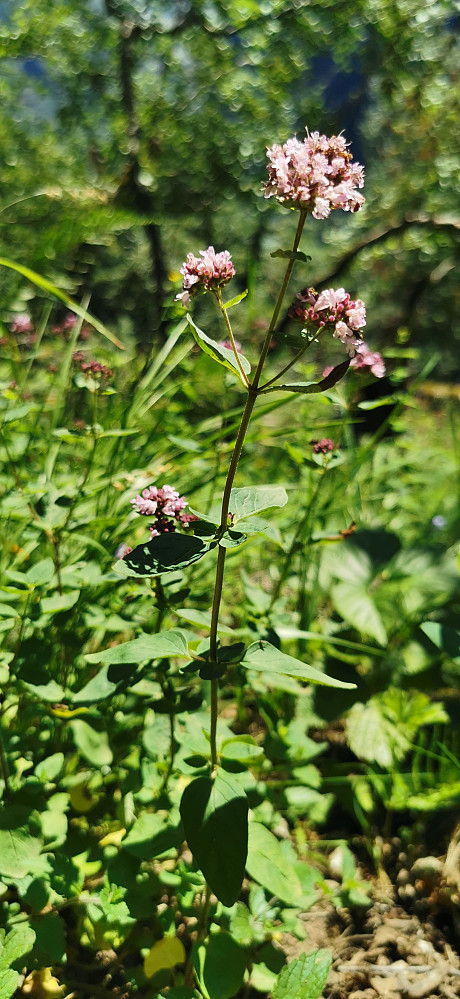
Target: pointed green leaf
267, 863
164, 553
236, 300
309, 388
355, 605
305, 977
219, 353
445, 638
210, 807
246, 501
147, 647
265, 657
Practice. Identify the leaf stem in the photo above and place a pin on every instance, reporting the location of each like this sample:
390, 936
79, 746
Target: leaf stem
221, 305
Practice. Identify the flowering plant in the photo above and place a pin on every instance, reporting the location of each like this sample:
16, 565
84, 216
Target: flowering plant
314, 176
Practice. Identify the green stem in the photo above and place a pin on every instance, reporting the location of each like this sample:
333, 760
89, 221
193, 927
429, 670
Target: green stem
253, 392
221, 305
279, 301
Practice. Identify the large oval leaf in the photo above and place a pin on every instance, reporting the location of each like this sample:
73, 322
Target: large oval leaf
215, 816
165, 553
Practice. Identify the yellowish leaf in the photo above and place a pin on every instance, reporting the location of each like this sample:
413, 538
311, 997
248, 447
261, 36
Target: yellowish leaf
165, 953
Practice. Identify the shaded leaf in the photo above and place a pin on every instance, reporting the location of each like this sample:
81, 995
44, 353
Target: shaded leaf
291, 255
162, 554
209, 809
310, 388
93, 745
220, 964
445, 638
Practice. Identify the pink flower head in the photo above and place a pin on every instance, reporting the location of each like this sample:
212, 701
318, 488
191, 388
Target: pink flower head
21, 323
94, 368
333, 309
366, 358
165, 505
323, 446
316, 175
208, 274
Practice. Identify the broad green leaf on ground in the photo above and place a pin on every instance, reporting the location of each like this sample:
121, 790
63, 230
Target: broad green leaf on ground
93, 745
383, 730
445, 638
354, 603
15, 945
305, 977
209, 809
220, 964
265, 657
146, 647
8, 984
19, 850
164, 553
245, 501
267, 864
217, 351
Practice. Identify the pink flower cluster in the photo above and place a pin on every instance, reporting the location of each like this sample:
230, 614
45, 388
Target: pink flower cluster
208, 274
345, 316
366, 358
323, 446
316, 175
21, 323
94, 368
333, 308
166, 506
